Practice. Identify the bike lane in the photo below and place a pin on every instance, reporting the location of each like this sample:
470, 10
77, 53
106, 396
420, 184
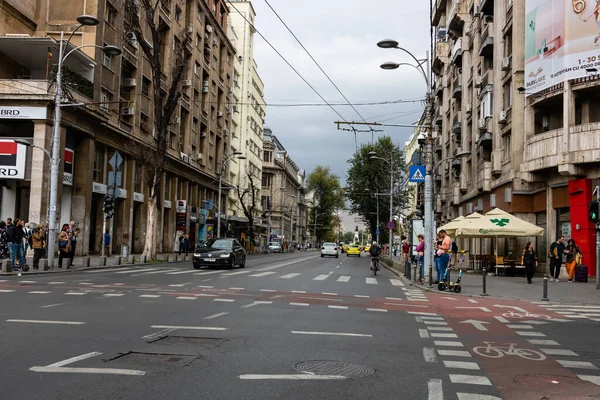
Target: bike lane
504, 344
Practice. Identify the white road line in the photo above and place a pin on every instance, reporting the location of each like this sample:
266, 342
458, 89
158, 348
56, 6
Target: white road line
516, 326
73, 370
470, 379
160, 271
575, 316
576, 364
474, 396
424, 333
216, 315
179, 284
74, 359
543, 342
502, 319
236, 288
300, 304
118, 284
428, 322
206, 287
360, 296
527, 333
235, 273
6, 290
208, 272
113, 294
394, 298
56, 283
264, 274
443, 335
559, 352
133, 271
439, 328
187, 271
462, 365
472, 301
75, 293
150, 296
344, 278
339, 307
590, 378
193, 328
296, 377
256, 303
321, 278
53, 305
298, 291
453, 353
332, 334
421, 318
329, 294
225, 300
371, 281
447, 343
429, 355
289, 276
434, 386
396, 282
108, 270
35, 321
39, 292
420, 313
185, 298
267, 290
377, 309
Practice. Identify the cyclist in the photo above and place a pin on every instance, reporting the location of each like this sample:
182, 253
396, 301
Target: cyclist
374, 251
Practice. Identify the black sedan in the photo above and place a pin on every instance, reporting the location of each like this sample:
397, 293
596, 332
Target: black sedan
220, 253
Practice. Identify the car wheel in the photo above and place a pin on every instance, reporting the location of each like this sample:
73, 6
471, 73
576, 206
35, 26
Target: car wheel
232, 262
322, 255
336, 256
196, 266
243, 263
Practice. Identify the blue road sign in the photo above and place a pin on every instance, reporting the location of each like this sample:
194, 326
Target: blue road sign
377, 232
416, 173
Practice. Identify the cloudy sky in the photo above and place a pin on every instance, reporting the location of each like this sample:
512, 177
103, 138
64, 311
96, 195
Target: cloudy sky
341, 35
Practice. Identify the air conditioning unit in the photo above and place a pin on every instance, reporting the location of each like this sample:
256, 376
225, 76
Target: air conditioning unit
481, 125
488, 19
226, 132
215, 41
506, 64
128, 111
478, 80
203, 134
132, 39
235, 108
129, 82
205, 87
219, 114
209, 28
200, 156
476, 9
469, 108
186, 83
184, 157
502, 117
189, 30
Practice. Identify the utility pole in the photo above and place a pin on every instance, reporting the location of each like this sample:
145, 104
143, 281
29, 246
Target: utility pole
429, 233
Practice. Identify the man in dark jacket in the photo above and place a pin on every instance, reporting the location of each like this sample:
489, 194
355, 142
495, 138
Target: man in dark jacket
556, 257
15, 243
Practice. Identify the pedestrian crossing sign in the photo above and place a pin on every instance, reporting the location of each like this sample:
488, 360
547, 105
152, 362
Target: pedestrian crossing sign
416, 173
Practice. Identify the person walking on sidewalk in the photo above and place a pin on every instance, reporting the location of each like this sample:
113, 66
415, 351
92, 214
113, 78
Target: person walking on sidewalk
556, 255
4, 250
73, 233
529, 261
420, 250
186, 245
15, 243
37, 244
64, 243
573, 253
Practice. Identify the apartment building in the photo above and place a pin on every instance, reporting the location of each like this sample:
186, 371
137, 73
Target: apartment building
283, 193
248, 107
116, 113
525, 139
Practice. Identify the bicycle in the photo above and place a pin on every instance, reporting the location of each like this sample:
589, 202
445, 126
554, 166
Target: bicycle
512, 314
498, 352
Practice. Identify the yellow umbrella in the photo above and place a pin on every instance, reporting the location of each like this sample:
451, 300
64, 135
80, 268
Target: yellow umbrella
451, 226
499, 223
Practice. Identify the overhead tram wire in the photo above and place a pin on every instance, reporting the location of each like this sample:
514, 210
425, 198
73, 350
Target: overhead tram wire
288, 63
318, 65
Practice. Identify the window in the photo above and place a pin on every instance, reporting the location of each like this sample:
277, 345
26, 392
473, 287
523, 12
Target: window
506, 139
267, 180
146, 86
196, 95
172, 140
198, 40
214, 62
98, 172
105, 99
197, 68
177, 13
111, 14
106, 59
195, 124
199, 12
137, 181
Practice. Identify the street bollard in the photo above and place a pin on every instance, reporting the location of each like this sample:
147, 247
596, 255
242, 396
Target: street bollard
130, 259
142, 259
102, 261
484, 276
118, 260
6, 266
415, 272
408, 269
43, 266
85, 262
545, 294
430, 276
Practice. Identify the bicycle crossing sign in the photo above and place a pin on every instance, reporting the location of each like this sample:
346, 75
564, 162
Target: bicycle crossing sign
416, 173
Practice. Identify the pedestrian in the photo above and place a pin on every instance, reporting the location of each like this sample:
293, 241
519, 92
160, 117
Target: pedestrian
15, 237
4, 250
106, 243
26, 239
73, 233
420, 250
186, 244
529, 261
38, 239
181, 237
573, 254
555, 254
64, 243
444, 251
405, 250
9, 224
436, 257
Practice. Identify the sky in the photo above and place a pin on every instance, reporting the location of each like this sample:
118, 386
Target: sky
341, 35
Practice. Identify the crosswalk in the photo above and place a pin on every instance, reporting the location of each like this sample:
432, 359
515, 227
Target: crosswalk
573, 311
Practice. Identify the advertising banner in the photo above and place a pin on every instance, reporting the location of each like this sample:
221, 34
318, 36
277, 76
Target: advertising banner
12, 160
562, 41
68, 167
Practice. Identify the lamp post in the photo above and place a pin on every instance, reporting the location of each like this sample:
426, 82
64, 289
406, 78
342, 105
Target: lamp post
240, 156
373, 156
84, 20
426, 73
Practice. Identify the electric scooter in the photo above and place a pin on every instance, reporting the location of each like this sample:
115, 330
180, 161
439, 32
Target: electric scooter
453, 286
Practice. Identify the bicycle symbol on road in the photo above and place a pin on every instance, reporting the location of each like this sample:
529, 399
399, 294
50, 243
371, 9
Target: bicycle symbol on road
491, 351
526, 314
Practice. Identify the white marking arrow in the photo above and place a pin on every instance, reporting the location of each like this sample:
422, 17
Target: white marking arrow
476, 324
484, 309
513, 307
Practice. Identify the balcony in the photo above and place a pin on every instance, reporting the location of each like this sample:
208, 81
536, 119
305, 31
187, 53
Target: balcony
543, 151
441, 58
455, 22
439, 6
457, 92
487, 41
485, 140
484, 176
455, 193
438, 120
584, 143
464, 182
487, 78
457, 126
497, 163
439, 89
457, 52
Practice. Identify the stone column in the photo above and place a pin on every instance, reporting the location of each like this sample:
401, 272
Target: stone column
40, 173
81, 198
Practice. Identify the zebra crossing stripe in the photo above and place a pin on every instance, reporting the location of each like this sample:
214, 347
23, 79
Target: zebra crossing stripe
321, 277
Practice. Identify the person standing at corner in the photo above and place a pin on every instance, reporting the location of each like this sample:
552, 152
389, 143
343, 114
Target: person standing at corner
4, 250
186, 244
64, 243
444, 253
37, 244
556, 255
73, 233
15, 243
420, 250
529, 260
573, 253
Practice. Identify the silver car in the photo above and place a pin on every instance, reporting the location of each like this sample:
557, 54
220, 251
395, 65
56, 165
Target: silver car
329, 249
274, 247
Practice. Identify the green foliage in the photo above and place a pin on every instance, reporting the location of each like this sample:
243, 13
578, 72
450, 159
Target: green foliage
348, 237
366, 177
328, 197
72, 80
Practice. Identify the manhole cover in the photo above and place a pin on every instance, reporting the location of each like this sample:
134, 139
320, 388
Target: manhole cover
203, 342
150, 360
340, 368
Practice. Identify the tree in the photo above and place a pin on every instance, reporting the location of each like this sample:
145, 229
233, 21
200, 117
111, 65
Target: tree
328, 198
370, 183
248, 194
142, 16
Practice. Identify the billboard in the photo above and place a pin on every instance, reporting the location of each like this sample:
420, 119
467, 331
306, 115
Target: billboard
12, 160
562, 41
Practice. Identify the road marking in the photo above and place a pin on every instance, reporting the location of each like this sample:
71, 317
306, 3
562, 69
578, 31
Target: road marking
439, 328
443, 335
453, 353
179, 284
74, 359
377, 309
329, 294
420, 313
394, 298
300, 304
332, 334
502, 319
527, 333
321, 278
428, 322
484, 309
72, 370
424, 333
516, 326
473, 396
371, 281
343, 278
472, 301
39, 292
216, 315
185, 298
151, 296
208, 272
193, 328
75, 293
189, 271
421, 318
133, 271
56, 283
435, 389
576, 364
256, 303
236, 288
429, 355
158, 334
291, 377
590, 378
110, 270
113, 294
263, 274
53, 305
298, 291
267, 290
450, 298
479, 325
543, 342
339, 307
6, 290
559, 352
470, 379
35, 321
235, 273
160, 271
396, 282
225, 300
289, 276
206, 287
447, 343
535, 322
331, 273
462, 365
360, 296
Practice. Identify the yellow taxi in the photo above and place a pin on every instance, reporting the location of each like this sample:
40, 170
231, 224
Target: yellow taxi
367, 248
344, 248
353, 250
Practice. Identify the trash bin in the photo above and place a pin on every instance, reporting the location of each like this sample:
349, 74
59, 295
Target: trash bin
124, 250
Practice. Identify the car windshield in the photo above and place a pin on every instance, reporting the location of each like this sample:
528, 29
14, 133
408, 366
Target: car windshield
219, 244
275, 244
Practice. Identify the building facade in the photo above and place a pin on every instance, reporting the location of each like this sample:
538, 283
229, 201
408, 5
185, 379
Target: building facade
117, 114
532, 153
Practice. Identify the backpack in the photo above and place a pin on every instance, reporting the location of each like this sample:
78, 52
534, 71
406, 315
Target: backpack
454, 248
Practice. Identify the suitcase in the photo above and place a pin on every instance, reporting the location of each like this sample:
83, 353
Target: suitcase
581, 273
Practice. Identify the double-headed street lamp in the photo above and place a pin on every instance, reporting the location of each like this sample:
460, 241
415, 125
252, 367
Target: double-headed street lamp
84, 20
373, 156
240, 156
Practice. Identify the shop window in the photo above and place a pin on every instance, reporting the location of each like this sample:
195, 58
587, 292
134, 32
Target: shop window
563, 222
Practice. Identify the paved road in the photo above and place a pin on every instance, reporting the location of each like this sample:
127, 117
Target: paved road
289, 326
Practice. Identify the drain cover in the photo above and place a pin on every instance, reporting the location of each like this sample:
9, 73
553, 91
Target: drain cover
340, 368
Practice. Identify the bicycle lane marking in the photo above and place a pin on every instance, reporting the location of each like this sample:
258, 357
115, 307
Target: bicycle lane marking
520, 369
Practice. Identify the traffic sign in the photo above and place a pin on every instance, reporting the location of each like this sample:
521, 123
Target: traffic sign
377, 231
416, 173
390, 225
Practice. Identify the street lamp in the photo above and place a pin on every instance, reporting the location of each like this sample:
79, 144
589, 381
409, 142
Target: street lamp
240, 156
316, 216
84, 20
373, 156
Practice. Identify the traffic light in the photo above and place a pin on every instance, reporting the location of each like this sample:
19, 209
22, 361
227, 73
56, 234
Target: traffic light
109, 207
595, 211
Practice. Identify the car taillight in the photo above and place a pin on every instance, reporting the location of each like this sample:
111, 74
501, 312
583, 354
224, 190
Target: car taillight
335, 248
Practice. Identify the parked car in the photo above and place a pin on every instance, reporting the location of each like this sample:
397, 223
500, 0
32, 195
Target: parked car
223, 252
329, 249
274, 247
353, 250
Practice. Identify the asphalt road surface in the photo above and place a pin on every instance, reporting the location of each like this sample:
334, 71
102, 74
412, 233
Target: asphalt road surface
288, 326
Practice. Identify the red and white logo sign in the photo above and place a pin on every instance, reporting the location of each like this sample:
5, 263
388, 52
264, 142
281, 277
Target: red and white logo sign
68, 167
12, 160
